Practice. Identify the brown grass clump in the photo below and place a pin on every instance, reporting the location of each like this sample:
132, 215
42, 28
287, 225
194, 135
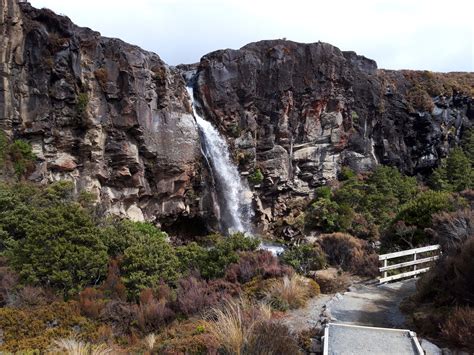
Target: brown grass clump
271, 337
73, 346
291, 292
459, 327
350, 254
332, 280
232, 325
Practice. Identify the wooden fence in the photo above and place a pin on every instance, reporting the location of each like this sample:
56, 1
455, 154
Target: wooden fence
416, 261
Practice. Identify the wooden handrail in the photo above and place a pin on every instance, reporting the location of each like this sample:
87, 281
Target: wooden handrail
414, 262
409, 252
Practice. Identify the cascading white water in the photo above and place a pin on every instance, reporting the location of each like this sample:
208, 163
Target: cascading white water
234, 196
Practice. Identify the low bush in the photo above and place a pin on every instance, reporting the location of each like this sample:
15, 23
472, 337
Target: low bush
213, 261
252, 264
36, 327
113, 286
349, 253
453, 229
304, 258
91, 302
449, 281
30, 296
8, 285
122, 316
271, 337
186, 337
332, 280
458, 329
194, 295
154, 310
148, 261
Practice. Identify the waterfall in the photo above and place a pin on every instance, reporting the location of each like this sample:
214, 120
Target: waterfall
234, 198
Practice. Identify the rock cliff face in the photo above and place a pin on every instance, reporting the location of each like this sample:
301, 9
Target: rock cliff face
116, 120
299, 112
107, 115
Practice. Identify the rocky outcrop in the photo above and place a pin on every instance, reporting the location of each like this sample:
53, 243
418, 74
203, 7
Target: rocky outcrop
299, 112
116, 120
109, 116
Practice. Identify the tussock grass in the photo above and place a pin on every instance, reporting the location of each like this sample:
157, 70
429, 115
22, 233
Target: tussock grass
232, 324
73, 346
291, 292
150, 341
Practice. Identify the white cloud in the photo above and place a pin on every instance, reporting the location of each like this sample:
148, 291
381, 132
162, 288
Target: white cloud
415, 34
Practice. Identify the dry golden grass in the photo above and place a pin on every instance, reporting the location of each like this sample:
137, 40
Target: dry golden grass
73, 346
232, 324
291, 292
150, 341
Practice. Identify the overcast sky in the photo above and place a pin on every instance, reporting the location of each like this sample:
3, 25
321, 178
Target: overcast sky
399, 34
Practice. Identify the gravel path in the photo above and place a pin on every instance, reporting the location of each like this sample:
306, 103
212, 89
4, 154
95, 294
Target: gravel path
306, 318
372, 305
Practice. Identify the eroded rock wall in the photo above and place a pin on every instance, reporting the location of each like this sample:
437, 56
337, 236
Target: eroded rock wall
111, 117
299, 112
116, 120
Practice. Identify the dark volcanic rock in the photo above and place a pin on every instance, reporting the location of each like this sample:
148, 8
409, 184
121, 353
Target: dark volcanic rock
107, 115
116, 120
301, 111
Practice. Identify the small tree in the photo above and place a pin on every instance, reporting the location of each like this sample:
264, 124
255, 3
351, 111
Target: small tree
148, 261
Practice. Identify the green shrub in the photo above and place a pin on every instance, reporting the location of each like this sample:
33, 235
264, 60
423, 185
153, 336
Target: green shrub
323, 192
81, 103
21, 155
407, 229
149, 260
361, 206
455, 173
118, 235
225, 252
304, 258
256, 177
418, 211
3, 148
60, 247
191, 257
328, 215
346, 174
467, 144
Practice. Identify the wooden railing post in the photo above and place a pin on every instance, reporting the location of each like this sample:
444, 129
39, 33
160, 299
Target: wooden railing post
385, 265
414, 259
